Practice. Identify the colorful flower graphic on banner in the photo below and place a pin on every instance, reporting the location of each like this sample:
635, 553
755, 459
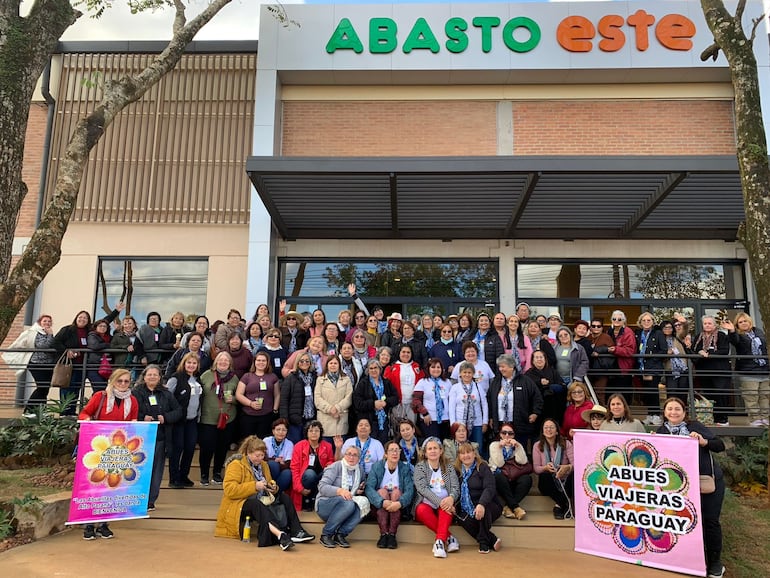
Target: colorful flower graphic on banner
637, 498
113, 459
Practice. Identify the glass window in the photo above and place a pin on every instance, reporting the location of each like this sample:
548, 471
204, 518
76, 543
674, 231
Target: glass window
658, 281
473, 280
148, 285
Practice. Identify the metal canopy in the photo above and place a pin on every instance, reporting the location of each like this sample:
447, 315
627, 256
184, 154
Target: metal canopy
525, 197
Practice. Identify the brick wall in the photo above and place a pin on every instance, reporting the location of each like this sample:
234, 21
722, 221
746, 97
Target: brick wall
645, 127
392, 128
33, 158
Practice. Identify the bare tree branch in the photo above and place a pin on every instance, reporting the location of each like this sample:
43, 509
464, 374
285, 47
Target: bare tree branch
739, 10
755, 22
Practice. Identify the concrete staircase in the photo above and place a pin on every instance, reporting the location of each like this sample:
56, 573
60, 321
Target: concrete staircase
195, 510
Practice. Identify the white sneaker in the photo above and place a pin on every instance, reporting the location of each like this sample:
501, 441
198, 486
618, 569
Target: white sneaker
452, 545
757, 423
722, 424
656, 421
438, 549
766, 422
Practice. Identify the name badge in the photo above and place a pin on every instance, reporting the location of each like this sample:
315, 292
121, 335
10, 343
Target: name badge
153, 400
262, 386
83, 341
311, 460
565, 353
277, 362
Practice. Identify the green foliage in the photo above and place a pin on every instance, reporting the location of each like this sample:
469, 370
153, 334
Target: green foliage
96, 8
6, 527
44, 436
95, 80
29, 502
746, 461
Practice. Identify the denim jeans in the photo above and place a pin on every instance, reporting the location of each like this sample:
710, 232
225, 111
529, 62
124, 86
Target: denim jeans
158, 465
184, 436
281, 477
341, 516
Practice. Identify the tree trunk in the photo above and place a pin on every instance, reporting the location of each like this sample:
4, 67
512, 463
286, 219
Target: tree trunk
751, 143
44, 249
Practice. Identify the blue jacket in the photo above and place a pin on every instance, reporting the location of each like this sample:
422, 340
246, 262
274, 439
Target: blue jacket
405, 484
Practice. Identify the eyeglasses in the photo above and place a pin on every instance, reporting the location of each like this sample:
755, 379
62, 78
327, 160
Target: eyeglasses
596, 326
122, 381
302, 361
617, 319
447, 331
506, 433
276, 336
360, 316
677, 324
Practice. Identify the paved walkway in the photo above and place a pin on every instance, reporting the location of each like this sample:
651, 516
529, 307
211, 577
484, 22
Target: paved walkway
140, 553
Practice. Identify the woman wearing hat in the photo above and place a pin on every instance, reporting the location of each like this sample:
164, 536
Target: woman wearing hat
393, 334
292, 335
554, 324
619, 417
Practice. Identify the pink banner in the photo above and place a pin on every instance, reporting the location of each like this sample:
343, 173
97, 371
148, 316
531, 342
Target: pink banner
637, 499
112, 471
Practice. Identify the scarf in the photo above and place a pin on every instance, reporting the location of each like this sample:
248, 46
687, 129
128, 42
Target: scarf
349, 370
469, 413
278, 448
678, 366
409, 452
220, 378
756, 348
677, 430
439, 401
465, 494
556, 459
308, 409
507, 452
351, 478
333, 377
645, 335
363, 449
516, 357
507, 389
379, 393
293, 342
316, 359
259, 475
479, 339
708, 340
124, 395
429, 341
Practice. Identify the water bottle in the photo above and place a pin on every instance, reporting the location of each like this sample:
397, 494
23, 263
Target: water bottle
247, 530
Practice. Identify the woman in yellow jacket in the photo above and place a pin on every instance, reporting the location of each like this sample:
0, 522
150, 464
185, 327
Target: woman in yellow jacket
247, 480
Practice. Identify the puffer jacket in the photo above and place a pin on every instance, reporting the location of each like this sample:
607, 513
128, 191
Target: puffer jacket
238, 486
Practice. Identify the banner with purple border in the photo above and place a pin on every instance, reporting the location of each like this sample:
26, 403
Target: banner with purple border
637, 499
112, 471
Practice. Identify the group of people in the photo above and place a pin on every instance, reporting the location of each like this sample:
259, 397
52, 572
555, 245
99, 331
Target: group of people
303, 386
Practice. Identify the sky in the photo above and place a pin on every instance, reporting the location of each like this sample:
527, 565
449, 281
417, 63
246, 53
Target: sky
237, 21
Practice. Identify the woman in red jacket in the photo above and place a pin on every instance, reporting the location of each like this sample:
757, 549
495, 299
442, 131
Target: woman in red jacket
115, 403
624, 349
310, 457
578, 401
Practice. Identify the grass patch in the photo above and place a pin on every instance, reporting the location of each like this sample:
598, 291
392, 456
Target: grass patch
746, 527
16, 483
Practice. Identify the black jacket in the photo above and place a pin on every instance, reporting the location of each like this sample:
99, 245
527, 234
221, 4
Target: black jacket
419, 353
656, 344
527, 400
292, 404
481, 487
182, 391
301, 339
165, 405
363, 399
743, 347
493, 348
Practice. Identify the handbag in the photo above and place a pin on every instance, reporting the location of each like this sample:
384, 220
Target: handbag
278, 512
62, 372
704, 409
513, 471
223, 417
105, 367
708, 483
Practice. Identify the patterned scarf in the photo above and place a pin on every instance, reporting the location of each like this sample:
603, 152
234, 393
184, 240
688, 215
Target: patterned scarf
293, 342
465, 494
278, 448
409, 451
517, 356
123, 395
677, 430
439, 401
678, 366
429, 341
379, 393
507, 452
351, 478
259, 475
756, 348
708, 340
363, 449
507, 389
308, 409
469, 414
